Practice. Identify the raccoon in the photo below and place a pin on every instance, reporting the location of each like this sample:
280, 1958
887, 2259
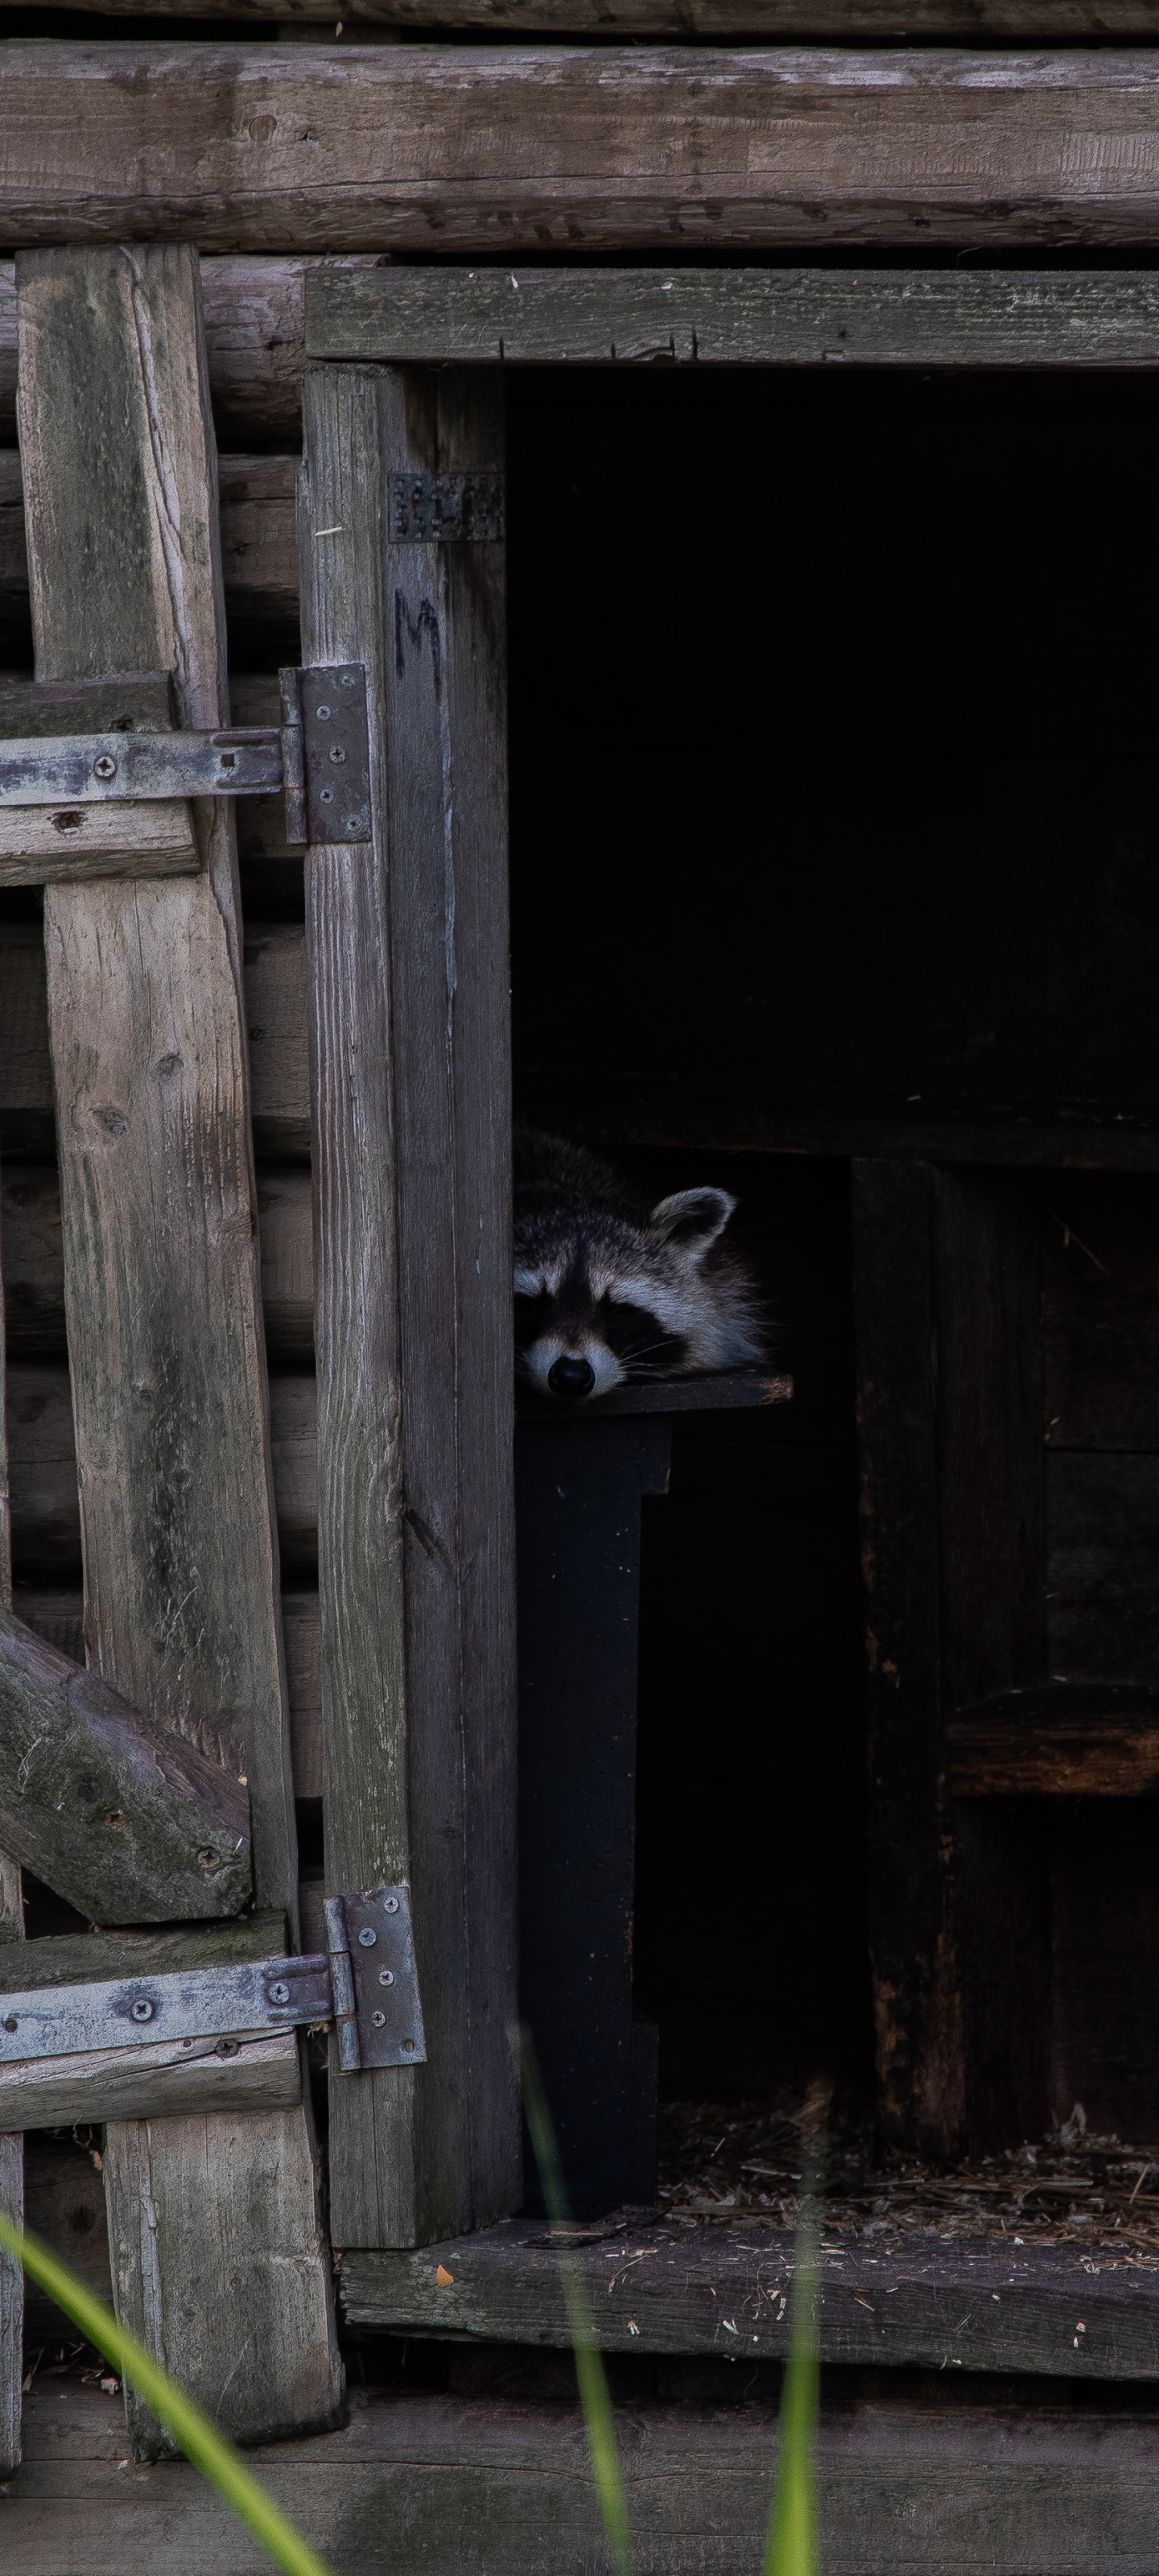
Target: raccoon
609, 1290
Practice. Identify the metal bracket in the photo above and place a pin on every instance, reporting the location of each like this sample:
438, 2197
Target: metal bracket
372, 1998
319, 757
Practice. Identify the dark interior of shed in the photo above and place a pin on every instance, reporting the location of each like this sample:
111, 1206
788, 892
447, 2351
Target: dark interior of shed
832, 852
833, 836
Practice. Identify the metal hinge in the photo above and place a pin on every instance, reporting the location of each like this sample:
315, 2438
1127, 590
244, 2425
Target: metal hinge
319, 757
366, 1986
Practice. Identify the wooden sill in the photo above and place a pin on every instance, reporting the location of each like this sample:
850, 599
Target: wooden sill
728, 1391
976, 2304
1064, 1740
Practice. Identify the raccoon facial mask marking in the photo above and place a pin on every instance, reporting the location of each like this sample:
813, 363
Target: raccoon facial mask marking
608, 1290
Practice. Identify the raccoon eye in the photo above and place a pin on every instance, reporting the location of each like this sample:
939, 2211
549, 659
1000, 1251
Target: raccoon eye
531, 1318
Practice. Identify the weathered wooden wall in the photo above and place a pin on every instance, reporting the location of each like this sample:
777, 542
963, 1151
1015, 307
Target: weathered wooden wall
500, 149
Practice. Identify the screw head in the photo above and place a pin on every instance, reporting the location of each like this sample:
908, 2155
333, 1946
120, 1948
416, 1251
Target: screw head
367, 1937
336, 752
378, 2019
323, 713
386, 1976
105, 767
390, 1904
325, 796
142, 2010
11, 2023
279, 1992
408, 2043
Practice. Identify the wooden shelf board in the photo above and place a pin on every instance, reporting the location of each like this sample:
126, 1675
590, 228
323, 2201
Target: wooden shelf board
1065, 1740
980, 2305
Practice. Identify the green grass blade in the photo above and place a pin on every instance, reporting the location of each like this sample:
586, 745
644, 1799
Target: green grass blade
792, 2547
215, 2457
591, 2379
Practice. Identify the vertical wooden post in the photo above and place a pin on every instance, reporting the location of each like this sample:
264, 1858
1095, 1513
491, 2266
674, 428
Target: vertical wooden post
11, 1929
218, 2254
951, 1428
407, 950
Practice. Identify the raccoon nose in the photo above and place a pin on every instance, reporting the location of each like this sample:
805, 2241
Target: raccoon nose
571, 1377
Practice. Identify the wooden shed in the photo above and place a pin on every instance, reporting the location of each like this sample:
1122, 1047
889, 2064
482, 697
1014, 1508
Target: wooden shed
595, 555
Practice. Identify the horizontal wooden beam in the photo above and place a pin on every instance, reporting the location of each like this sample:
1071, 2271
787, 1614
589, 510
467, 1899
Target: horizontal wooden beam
830, 22
1067, 1740
971, 2305
161, 2077
128, 1821
931, 2479
498, 150
728, 317
62, 845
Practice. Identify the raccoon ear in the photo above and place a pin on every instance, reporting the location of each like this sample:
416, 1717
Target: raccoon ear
693, 1217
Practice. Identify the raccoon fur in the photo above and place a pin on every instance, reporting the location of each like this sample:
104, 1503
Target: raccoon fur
609, 1290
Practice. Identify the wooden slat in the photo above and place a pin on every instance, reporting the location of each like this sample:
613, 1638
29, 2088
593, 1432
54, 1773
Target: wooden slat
974, 2305
498, 149
157, 1195
925, 2479
831, 22
167, 2079
735, 316
66, 845
1067, 1740
120, 1816
410, 1071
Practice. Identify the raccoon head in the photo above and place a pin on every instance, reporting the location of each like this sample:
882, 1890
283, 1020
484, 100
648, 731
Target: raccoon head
605, 1294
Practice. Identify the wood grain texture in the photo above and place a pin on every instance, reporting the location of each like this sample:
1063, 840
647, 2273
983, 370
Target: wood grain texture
407, 947
65, 845
976, 2305
161, 1283
917, 2000
924, 2479
834, 22
746, 317
405, 2486
122, 1817
1067, 1740
497, 149
163, 2080
259, 559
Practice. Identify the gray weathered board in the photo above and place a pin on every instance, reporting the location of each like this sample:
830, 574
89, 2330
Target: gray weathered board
939, 2482
410, 1083
256, 348
830, 22
219, 2259
501, 151
126, 1820
975, 2304
735, 316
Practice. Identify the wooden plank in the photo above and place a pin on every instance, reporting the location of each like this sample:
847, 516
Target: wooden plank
157, 1196
163, 2080
119, 1815
42, 845
917, 1996
411, 1103
734, 317
833, 22
506, 148
992, 1575
1100, 1314
133, 702
1033, 1744
927, 2480
976, 2306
